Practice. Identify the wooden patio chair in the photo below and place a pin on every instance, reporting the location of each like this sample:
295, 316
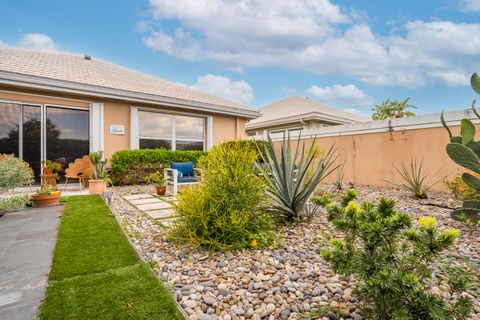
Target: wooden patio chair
81, 170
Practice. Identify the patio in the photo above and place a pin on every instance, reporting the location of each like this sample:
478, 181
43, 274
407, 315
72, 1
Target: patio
27, 239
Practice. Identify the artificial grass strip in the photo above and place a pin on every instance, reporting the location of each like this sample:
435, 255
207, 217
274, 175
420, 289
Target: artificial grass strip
132, 292
96, 274
89, 240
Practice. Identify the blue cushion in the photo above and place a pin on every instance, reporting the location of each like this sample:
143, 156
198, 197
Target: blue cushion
186, 168
187, 179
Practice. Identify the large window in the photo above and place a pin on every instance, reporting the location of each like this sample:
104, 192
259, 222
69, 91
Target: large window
38, 132
67, 134
173, 132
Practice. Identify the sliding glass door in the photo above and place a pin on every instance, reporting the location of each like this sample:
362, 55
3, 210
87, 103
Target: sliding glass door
32, 137
37, 132
67, 134
9, 128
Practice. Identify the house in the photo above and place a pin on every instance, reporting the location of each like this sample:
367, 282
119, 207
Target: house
296, 114
61, 106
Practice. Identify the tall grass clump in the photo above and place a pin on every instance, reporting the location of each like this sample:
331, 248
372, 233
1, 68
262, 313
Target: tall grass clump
227, 209
415, 179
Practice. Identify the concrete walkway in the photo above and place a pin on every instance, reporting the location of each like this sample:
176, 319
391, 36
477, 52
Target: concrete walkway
27, 240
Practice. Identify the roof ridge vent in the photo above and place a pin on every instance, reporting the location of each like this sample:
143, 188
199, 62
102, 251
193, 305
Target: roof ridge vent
87, 57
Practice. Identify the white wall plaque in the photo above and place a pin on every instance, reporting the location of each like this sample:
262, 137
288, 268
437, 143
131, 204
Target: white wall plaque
118, 129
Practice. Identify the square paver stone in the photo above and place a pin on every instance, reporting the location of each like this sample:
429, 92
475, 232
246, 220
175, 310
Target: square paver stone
144, 201
154, 206
161, 214
137, 196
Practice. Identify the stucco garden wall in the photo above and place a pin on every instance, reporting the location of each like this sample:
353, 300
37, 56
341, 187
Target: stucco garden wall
372, 150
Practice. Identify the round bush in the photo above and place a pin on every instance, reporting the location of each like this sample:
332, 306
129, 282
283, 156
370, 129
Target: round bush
226, 210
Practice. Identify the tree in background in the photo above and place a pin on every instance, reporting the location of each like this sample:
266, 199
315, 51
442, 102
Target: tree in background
392, 109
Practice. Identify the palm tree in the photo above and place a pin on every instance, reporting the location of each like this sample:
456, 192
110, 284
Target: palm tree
392, 109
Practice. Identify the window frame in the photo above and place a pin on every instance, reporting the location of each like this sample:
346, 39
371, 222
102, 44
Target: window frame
174, 138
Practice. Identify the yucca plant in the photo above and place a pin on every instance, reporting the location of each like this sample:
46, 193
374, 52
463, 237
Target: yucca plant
293, 176
415, 179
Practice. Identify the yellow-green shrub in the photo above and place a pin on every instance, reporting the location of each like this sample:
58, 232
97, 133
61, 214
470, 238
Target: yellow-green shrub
460, 189
226, 210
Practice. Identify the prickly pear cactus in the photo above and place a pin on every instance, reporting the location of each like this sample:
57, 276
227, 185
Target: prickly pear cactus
466, 153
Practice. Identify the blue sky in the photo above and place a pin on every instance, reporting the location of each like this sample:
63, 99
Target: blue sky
348, 54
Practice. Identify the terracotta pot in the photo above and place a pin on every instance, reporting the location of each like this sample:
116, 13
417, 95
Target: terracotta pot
161, 190
45, 200
96, 186
47, 170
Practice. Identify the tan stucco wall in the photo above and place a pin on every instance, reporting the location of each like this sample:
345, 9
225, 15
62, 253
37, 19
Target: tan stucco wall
224, 128
115, 112
370, 158
28, 96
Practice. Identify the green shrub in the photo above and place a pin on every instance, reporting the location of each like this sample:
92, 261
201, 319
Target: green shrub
13, 203
132, 166
392, 262
460, 189
261, 148
226, 210
14, 173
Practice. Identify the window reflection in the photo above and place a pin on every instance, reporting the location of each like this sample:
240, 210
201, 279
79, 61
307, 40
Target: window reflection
32, 137
67, 134
189, 128
156, 131
155, 125
9, 126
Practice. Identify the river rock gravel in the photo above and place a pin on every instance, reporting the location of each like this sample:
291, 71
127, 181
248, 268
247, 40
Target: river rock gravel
288, 282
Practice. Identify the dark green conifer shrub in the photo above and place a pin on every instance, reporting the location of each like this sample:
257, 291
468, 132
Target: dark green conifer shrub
392, 261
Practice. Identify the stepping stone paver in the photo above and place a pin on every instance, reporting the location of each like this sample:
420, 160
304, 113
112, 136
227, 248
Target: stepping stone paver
161, 214
154, 206
144, 201
137, 196
159, 209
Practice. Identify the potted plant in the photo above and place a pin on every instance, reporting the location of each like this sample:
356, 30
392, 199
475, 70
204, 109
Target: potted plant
51, 169
159, 181
46, 197
101, 178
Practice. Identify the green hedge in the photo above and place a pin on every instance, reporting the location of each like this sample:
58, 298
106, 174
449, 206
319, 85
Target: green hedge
131, 166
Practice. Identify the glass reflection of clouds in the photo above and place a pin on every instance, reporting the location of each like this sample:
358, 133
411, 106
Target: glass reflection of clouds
189, 128
155, 125
156, 131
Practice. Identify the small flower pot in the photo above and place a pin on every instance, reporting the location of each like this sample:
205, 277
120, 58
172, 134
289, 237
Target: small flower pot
45, 200
161, 190
96, 186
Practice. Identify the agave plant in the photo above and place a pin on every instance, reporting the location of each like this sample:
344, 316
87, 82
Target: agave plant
293, 176
415, 179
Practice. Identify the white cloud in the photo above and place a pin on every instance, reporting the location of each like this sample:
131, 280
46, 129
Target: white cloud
316, 36
38, 41
470, 5
343, 96
357, 112
238, 91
